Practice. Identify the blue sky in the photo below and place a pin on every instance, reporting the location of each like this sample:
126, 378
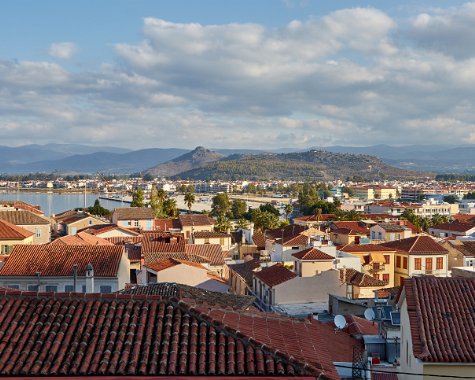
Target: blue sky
236, 73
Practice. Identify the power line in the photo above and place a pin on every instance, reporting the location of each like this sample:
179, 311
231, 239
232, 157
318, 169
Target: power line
406, 373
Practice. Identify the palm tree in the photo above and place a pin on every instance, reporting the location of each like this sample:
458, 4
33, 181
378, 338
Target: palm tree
288, 210
170, 208
189, 200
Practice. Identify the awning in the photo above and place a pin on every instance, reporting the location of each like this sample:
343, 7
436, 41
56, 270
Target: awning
377, 257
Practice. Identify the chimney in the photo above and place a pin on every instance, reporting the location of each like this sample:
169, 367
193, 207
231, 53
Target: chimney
89, 278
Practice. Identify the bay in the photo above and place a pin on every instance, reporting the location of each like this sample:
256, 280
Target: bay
55, 202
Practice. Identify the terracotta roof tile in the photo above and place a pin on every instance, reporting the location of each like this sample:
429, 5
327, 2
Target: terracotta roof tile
456, 227
82, 238
312, 254
364, 248
9, 231
419, 245
188, 220
274, 275
58, 260
245, 270
353, 226
120, 334
166, 224
442, 318
287, 231
22, 218
353, 277
210, 234
20, 205
161, 265
134, 213
313, 218
98, 229
212, 252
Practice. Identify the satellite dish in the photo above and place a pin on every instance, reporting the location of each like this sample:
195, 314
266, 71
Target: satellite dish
340, 321
369, 314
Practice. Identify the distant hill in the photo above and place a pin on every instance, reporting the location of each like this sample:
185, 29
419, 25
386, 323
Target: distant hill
133, 161
197, 158
313, 165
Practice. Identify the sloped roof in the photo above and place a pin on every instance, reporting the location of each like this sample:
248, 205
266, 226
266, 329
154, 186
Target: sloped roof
210, 234
130, 335
158, 266
81, 238
134, 213
354, 277
259, 240
456, 227
166, 224
313, 218
98, 229
245, 270
290, 230
312, 254
22, 205
22, 218
212, 252
417, 245
364, 248
352, 227
58, 260
192, 294
9, 231
466, 248
274, 275
390, 227
188, 220
442, 318
294, 240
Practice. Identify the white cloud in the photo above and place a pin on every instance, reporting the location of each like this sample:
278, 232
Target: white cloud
62, 50
353, 76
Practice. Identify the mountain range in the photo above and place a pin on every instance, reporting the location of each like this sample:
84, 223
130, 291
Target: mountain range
76, 158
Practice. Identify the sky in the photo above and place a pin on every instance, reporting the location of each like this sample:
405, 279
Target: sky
237, 74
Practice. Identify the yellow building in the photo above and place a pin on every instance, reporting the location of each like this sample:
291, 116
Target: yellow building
418, 255
376, 260
384, 192
11, 235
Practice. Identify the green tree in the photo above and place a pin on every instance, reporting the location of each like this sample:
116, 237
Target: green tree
220, 205
348, 190
98, 210
169, 207
238, 208
470, 195
269, 208
189, 199
288, 209
264, 220
223, 224
156, 203
243, 223
439, 219
137, 198
450, 199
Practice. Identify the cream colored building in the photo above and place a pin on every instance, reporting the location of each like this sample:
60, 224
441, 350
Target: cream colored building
11, 235
436, 333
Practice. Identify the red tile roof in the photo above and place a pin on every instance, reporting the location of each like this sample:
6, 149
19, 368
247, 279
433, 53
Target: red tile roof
312, 254
292, 336
102, 228
457, 227
9, 231
212, 252
188, 220
20, 205
259, 240
442, 318
118, 335
210, 234
353, 277
359, 326
166, 224
58, 260
313, 218
296, 240
22, 218
364, 248
133, 213
352, 226
274, 275
161, 265
82, 238
464, 218
417, 245
288, 231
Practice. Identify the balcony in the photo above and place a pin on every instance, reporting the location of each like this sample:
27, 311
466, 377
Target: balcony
376, 267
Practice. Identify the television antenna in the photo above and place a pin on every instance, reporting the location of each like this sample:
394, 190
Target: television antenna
369, 314
339, 321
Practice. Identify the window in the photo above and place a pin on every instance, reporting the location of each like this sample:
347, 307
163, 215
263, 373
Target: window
293, 248
386, 277
5, 249
206, 241
69, 288
376, 276
105, 289
404, 262
32, 288
439, 263
38, 232
51, 288
221, 241
417, 264
129, 223
136, 223
376, 266
373, 235
429, 263
398, 261
387, 259
84, 288
13, 286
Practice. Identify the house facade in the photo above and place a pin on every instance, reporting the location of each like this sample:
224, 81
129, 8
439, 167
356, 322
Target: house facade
33, 222
140, 218
436, 337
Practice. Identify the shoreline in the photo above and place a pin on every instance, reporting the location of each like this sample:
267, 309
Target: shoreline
45, 190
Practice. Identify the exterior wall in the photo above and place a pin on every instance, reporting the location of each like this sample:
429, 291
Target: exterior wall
60, 282
192, 276
123, 273
312, 268
115, 233
237, 285
143, 224
73, 228
385, 193
188, 230
434, 272
386, 269
400, 273
225, 242
342, 239
7, 245
309, 289
408, 363
449, 233
42, 232
364, 292
379, 233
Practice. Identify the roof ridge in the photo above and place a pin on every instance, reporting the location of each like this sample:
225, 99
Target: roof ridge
413, 244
